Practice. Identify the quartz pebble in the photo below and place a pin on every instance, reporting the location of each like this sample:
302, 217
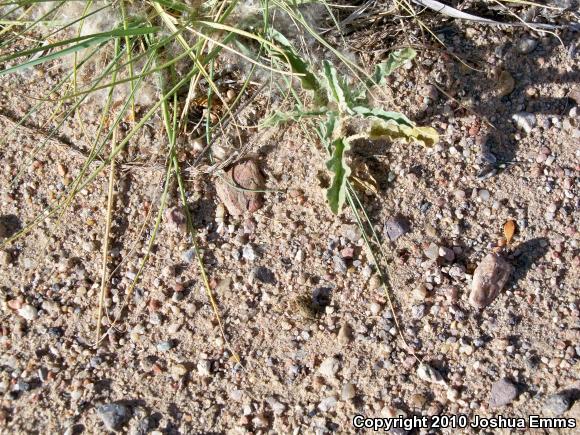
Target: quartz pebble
28, 312
329, 367
164, 346
524, 121
327, 403
429, 374
277, 407
204, 367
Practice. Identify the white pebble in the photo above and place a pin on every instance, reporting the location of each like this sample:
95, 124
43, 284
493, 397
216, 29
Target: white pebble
28, 312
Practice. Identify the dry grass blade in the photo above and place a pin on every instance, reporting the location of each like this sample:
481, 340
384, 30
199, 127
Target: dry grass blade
455, 13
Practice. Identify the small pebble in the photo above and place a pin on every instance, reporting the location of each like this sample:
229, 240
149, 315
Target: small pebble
348, 392
524, 121
432, 251
429, 374
527, 45
484, 194
113, 415
396, 227
329, 367
345, 334
375, 308
164, 346
5, 258
28, 312
277, 407
204, 367
503, 392
327, 403
556, 404
248, 253
489, 278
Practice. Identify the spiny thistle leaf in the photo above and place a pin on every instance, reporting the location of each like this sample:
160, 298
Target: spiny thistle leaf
378, 113
380, 129
298, 66
335, 87
395, 60
336, 194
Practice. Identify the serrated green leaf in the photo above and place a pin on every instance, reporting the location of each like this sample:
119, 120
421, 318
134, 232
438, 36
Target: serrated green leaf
336, 193
395, 60
380, 129
298, 66
327, 128
335, 86
384, 115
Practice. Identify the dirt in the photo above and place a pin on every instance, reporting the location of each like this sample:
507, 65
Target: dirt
295, 286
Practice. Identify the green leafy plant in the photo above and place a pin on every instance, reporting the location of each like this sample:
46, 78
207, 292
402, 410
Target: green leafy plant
337, 102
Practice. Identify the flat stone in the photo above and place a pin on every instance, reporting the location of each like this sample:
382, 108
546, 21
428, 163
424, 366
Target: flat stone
396, 227
489, 278
503, 392
432, 251
245, 175
175, 219
345, 334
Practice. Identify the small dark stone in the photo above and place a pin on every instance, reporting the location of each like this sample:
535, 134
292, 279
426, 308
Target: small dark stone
321, 297
55, 331
396, 227
503, 392
113, 415
264, 275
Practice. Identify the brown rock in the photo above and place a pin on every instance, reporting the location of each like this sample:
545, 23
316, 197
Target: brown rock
245, 175
488, 280
506, 84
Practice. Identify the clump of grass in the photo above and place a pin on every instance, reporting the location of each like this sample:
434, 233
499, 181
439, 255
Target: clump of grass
138, 60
